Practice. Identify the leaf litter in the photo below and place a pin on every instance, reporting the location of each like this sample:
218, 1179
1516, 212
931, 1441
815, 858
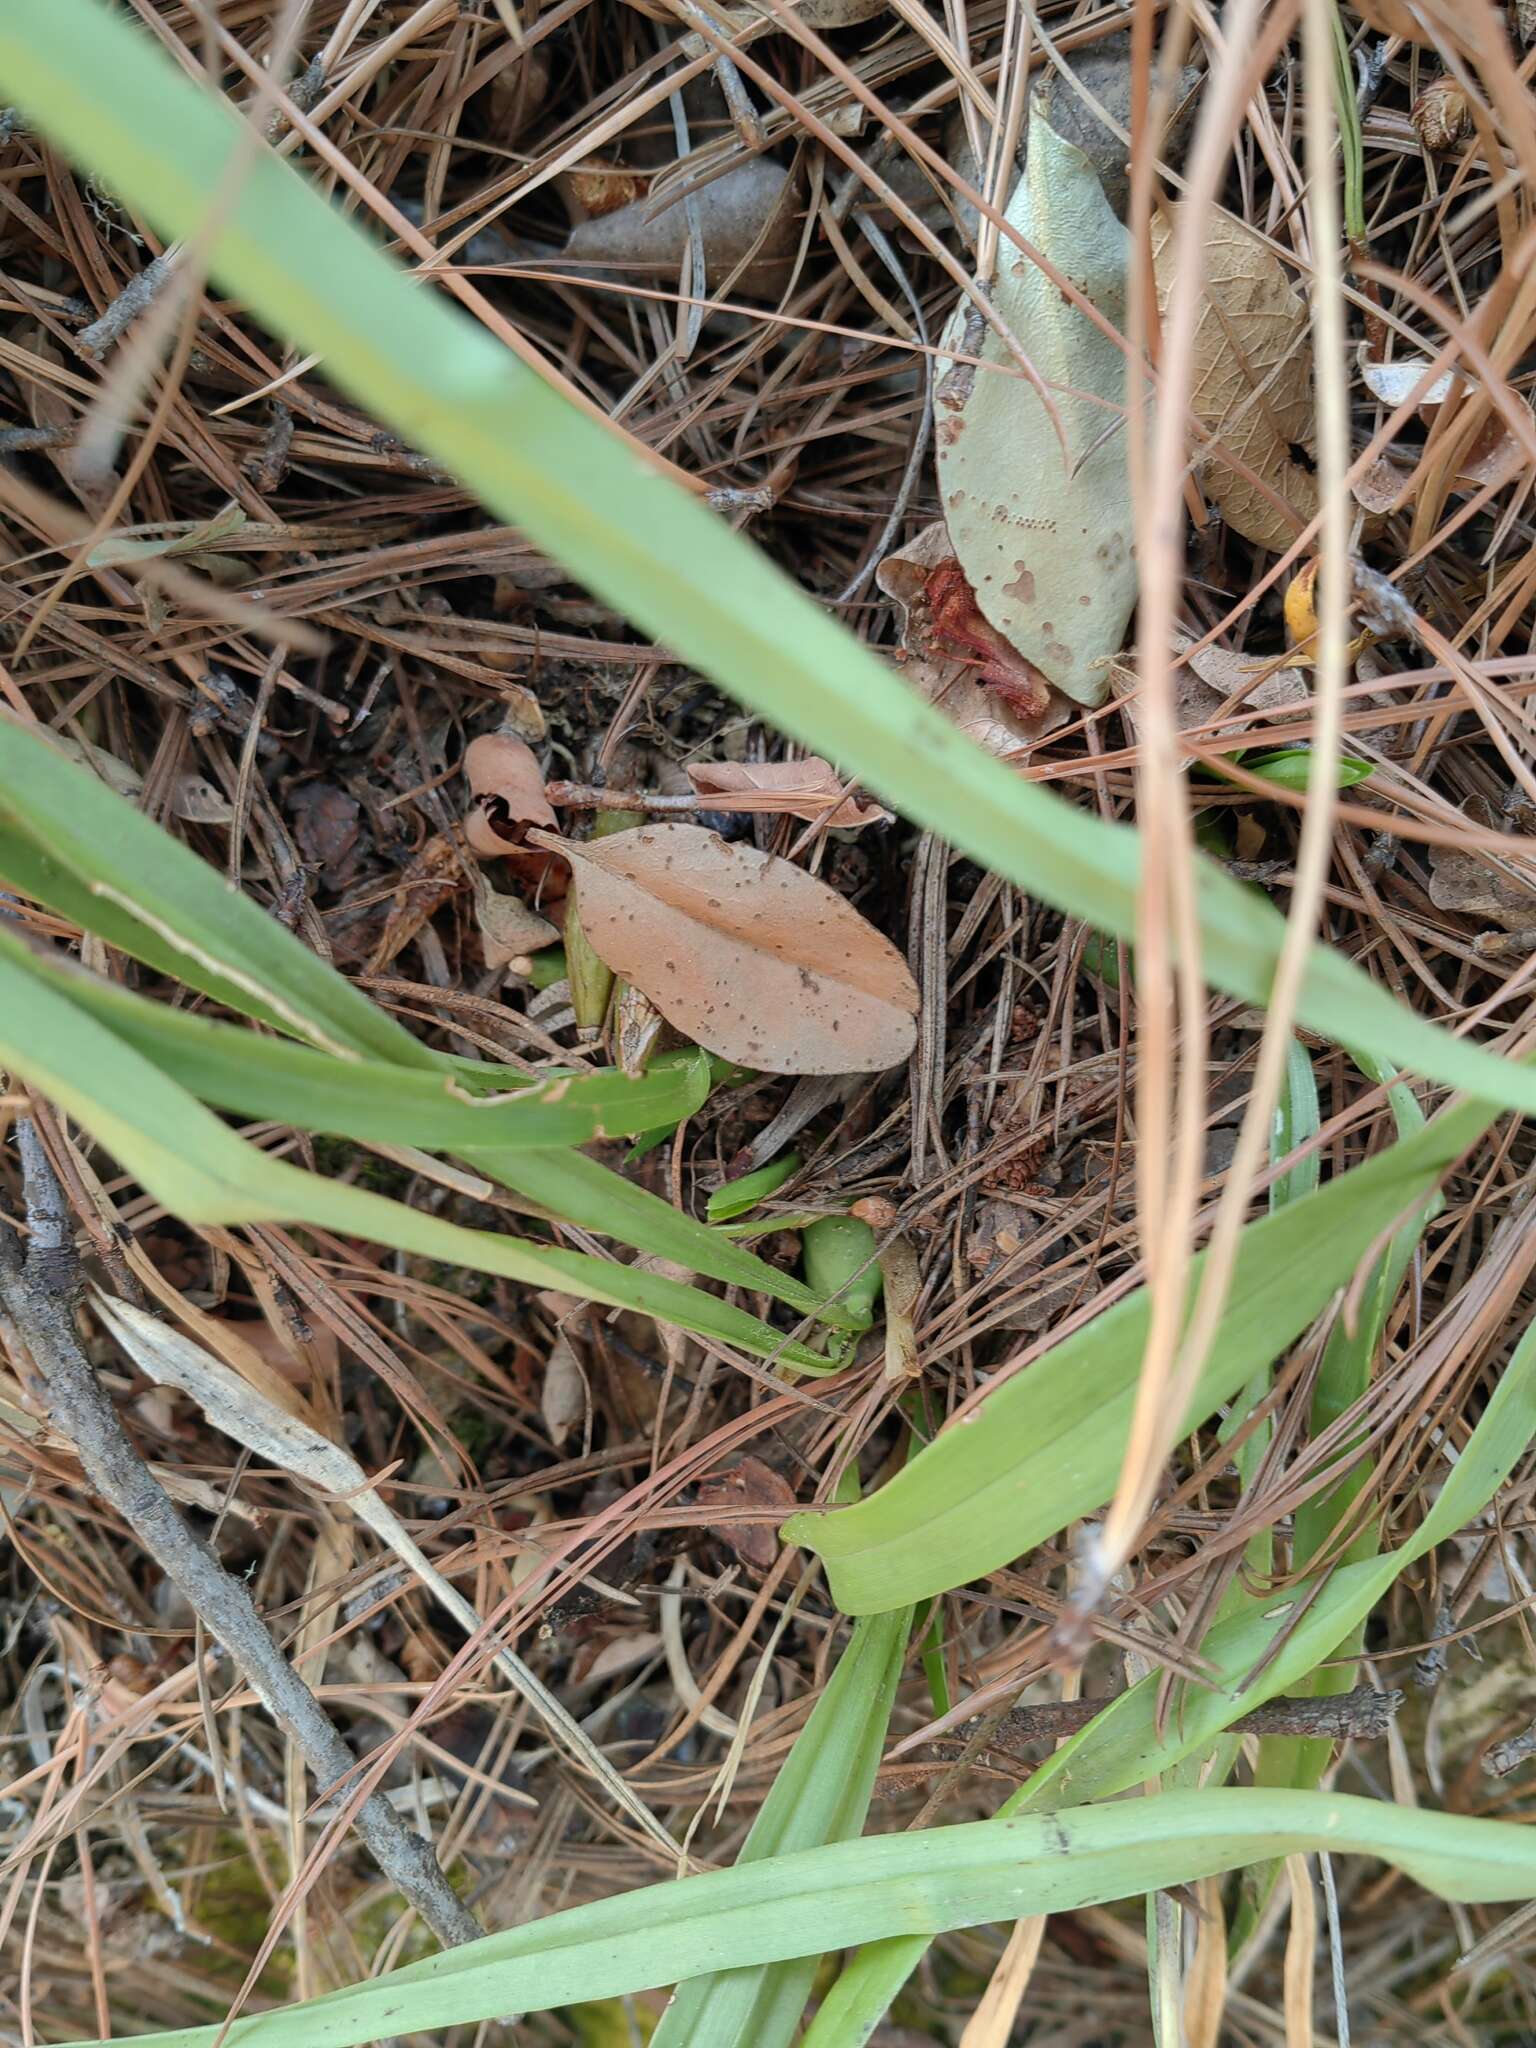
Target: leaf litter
504, 1428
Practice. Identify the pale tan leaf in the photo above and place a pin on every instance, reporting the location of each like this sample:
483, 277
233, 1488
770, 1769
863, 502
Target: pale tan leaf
903, 1280
563, 1397
1400, 379
618, 1655
1252, 377
196, 799
749, 956
811, 789
263, 1412
509, 930
1044, 534
637, 1028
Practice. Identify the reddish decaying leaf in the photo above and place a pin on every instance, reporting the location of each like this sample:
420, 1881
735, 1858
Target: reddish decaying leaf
507, 785
811, 789
749, 1484
955, 686
748, 955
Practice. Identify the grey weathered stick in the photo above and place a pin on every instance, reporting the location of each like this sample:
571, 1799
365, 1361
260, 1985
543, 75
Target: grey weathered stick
1363, 1713
39, 1293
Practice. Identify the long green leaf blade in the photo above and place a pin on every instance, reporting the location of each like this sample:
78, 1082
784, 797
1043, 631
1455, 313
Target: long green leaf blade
913, 1884
518, 1142
116, 102
201, 1170
1130, 1740
76, 845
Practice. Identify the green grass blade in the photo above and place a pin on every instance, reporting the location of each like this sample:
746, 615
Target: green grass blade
510, 1142
275, 1078
863, 1992
106, 94
1129, 1741
72, 843
1297, 1119
585, 1192
920, 1884
201, 1170
1046, 1447
821, 1794
1343, 1378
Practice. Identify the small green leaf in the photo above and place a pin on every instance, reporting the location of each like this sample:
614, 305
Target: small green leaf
1291, 768
841, 1265
736, 1197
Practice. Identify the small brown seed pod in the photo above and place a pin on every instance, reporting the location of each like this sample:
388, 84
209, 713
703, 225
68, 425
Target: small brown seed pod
1441, 114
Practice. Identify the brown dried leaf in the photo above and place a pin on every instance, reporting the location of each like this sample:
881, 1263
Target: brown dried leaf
749, 1484
327, 828
1439, 23
419, 894
1472, 885
50, 408
1203, 682
808, 789
1495, 458
748, 215
507, 785
1379, 489
517, 93
749, 956
1253, 377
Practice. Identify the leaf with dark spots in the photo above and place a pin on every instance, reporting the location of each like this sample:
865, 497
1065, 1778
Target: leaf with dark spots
747, 954
1040, 519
